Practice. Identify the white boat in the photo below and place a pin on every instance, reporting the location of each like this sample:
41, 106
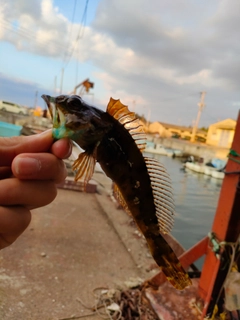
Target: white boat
195, 167
207, 170
159, 149
218, 174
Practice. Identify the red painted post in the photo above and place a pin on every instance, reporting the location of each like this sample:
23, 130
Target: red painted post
226, 227
194, 253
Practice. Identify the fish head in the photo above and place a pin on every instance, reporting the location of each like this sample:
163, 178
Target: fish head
73, 118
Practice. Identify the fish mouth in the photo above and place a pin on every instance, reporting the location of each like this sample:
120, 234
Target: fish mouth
56, 113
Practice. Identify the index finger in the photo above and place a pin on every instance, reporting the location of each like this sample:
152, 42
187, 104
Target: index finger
11, 147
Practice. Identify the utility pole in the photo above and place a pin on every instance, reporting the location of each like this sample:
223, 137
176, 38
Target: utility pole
35, 99
61, 86
55, 85
201, 105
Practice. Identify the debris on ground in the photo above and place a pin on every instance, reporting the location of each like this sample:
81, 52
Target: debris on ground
129, 304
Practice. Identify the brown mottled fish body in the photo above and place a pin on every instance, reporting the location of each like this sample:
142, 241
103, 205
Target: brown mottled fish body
119, 152
126, 166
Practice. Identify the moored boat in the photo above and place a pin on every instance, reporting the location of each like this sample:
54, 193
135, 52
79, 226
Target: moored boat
160, 149
205, 169
9, 129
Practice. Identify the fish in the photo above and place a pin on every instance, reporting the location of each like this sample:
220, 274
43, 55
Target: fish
116, 140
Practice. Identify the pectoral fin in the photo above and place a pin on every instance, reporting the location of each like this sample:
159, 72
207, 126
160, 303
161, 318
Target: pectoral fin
84, 167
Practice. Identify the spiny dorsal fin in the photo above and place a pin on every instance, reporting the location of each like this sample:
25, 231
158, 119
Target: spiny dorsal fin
128, 119
118, 196
84, 167
162, 194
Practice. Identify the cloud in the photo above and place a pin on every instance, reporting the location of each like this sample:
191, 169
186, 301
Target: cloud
178, 48
159, 54
187, 48
34, 27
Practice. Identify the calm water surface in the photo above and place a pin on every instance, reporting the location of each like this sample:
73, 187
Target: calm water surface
196, 197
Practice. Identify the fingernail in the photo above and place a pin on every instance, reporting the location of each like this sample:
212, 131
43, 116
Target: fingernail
69, 149
27, 166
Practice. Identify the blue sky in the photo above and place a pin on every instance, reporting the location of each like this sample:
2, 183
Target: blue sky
155, 56
38, 72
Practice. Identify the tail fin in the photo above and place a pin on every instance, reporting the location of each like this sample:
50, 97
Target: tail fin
175, 273
168, 262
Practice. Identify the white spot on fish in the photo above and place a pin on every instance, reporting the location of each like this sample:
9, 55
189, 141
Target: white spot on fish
136, 200
137, 184
130, 163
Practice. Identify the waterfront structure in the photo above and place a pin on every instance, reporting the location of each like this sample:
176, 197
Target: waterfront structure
221, 133
215, 290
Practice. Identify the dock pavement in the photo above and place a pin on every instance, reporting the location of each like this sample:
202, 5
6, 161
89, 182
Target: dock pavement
78, 243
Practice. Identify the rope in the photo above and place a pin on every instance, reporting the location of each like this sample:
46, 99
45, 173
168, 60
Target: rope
217, 246
234, 154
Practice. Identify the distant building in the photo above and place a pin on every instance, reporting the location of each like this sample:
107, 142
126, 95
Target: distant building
167, 130
221, 133
158, 128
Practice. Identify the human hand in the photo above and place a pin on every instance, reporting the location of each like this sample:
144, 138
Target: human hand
30, 167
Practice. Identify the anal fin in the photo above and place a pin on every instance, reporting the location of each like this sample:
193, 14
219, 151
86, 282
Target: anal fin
119, 197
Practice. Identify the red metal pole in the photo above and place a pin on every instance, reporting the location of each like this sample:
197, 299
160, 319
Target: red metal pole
194, 253
226, 227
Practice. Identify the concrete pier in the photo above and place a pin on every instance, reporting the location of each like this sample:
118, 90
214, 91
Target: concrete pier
196, 149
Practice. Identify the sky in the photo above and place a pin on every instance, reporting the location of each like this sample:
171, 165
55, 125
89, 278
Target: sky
156, 56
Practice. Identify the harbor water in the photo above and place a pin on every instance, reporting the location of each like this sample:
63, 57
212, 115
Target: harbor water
196, 198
